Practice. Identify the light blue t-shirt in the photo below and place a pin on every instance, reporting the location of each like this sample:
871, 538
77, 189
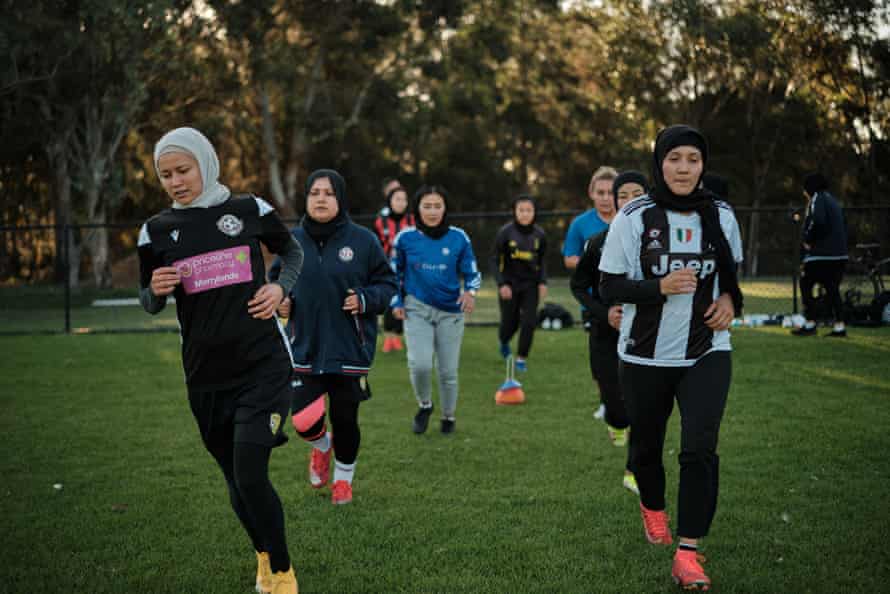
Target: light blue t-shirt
583, 227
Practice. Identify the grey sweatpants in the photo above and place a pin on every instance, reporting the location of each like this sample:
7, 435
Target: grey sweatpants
430, 331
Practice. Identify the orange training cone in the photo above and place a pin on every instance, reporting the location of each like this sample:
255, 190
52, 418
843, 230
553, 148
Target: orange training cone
510, 391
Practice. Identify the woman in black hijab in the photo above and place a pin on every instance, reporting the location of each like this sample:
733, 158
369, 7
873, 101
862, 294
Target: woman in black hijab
670, 259
518, 266
345, 284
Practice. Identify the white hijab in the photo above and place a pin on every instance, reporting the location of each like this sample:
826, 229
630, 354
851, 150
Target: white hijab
192, 142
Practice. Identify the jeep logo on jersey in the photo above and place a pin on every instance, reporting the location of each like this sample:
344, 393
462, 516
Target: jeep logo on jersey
667, 264
346, 254
230, 225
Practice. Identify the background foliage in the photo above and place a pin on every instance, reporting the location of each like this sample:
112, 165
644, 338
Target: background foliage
489, 98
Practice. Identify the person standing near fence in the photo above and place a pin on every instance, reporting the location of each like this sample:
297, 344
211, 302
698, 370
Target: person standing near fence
518, 265
332, 310
393, 218
603, 320
430, 261
206, 251
823, 254
671, 259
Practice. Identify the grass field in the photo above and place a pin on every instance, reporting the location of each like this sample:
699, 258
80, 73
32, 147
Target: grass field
524, 499
42, 308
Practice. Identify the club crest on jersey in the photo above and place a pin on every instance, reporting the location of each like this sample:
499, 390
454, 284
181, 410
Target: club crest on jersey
445, 251
274, 422
346, 254
667, 264
654, 245
174, 235
230, 225
684, 235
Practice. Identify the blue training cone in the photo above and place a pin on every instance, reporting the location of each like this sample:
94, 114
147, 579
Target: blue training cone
510, 391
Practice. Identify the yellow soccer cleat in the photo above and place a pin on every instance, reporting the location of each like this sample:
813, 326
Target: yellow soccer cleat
281, 582
618, 436
263, 569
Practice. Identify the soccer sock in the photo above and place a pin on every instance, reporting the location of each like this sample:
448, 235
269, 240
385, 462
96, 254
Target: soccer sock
839, 326
323, 443
809, 325
343, 472
685, 548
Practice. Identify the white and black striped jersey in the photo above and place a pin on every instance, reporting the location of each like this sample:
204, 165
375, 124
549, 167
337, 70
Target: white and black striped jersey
647, 242
220, 261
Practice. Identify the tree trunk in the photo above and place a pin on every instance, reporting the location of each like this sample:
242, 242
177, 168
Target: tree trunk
753, 239
279, 199
57, 154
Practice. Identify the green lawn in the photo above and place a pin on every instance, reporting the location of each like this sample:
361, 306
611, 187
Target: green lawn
523, 499
42, 309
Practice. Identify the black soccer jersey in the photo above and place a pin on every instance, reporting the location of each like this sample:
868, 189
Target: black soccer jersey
217, 252
648, 242
518, 258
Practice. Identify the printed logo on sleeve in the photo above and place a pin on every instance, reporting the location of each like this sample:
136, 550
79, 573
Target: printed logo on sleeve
213, 270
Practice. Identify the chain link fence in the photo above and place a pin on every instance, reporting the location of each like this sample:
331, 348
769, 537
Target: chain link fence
84, 278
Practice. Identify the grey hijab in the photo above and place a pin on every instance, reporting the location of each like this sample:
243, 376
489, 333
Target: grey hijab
192, 142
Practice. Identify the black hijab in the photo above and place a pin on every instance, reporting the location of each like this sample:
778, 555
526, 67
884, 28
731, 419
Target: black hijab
718, 184
321, 232
700, 201
442, 228
525, 229
396, 216
630, 176
815, 182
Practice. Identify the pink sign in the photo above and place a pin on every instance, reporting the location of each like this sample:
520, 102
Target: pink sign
213, 270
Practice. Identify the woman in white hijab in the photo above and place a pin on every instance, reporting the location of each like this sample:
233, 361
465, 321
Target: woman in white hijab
206, 250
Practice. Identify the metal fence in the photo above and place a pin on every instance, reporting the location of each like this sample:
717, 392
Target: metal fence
48, 280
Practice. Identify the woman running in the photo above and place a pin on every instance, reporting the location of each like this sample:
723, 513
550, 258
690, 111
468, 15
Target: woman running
518, 263
603, 319
392, 219
671, 259
430, 261
332, 310
206, 251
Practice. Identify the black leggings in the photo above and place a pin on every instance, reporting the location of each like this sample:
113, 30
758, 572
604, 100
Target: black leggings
520, 313
604, 368
701, 392
246, 469
829, 274
344, 425
391, 323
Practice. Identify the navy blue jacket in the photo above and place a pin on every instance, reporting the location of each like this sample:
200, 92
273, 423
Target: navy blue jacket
824, 229
324, 338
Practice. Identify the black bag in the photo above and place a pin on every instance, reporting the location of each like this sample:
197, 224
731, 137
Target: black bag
553, 316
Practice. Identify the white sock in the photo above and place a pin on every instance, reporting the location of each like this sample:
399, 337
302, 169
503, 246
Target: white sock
343, 472
323, 443
810, 324
839, 327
